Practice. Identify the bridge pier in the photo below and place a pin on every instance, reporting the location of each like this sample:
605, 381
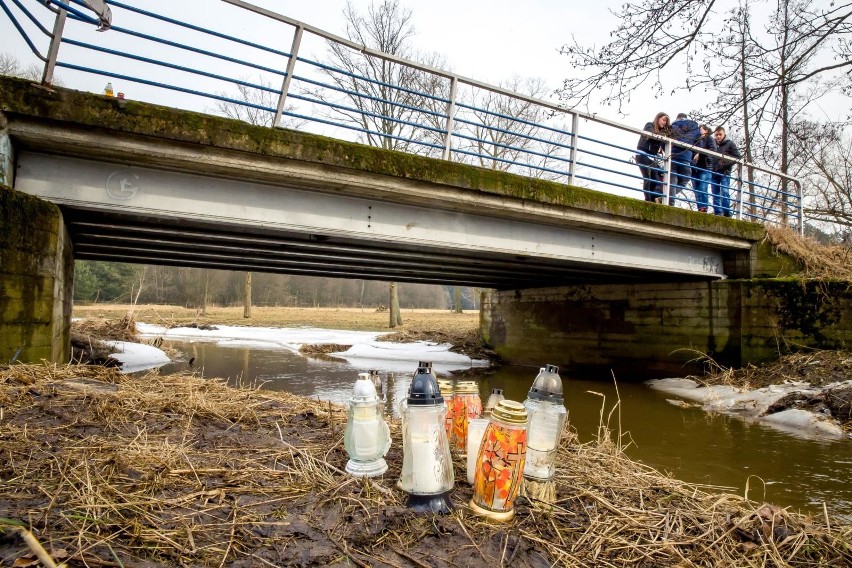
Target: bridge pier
642, 331
36, 280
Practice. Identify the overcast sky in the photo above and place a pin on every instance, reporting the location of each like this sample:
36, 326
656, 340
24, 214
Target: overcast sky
491, 41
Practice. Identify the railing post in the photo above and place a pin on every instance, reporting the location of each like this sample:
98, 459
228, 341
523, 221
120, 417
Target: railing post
667, 182
53, 50
739, 190
575, 139
800, 210
291, 64
451, 113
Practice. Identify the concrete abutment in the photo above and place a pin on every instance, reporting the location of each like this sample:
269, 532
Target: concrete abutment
656, 330
36, 279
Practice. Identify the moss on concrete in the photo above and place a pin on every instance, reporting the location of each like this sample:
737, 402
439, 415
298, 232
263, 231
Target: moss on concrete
35, 268
133, 117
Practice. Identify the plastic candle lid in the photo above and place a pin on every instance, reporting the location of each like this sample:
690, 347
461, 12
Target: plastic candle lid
510, 411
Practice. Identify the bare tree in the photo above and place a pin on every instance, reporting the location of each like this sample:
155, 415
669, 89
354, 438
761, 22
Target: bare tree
823, 157
507, 131
766, 73
255, 103
247, 296
378, 97
11, 66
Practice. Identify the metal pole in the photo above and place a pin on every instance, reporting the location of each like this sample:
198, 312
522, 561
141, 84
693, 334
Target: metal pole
291, 64
575, 139
53, 50
667, 183
739, 190
451, 112
801, 208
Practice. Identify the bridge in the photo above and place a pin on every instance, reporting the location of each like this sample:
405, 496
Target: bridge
140, 182
209, 192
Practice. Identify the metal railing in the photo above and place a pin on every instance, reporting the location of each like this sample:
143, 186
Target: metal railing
321, 85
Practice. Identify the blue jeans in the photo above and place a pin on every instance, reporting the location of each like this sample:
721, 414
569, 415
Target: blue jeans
681, 173
720, 186
700, 186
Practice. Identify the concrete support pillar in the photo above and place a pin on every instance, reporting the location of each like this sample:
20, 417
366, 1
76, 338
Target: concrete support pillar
7, 158
641, 331
36, 276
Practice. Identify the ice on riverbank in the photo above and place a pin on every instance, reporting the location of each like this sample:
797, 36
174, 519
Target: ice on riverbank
753, 405
136, 356
366, 352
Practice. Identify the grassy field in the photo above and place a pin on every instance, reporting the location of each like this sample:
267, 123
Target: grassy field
414, 321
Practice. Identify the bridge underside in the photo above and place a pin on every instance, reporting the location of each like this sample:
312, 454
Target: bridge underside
116, 212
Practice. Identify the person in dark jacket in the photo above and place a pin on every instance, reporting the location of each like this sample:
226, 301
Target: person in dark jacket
686, 131
720, 179
649, 150
702, 166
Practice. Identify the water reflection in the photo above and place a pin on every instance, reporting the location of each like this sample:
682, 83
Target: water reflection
693, 445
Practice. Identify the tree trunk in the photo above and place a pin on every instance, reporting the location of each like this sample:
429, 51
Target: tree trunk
457, 300
745, 24
395, 315
206, 286
247, 296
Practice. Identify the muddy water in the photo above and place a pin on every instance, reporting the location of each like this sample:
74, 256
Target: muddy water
693, 445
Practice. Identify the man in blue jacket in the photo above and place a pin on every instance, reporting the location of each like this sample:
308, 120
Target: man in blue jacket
687, 131
720, 180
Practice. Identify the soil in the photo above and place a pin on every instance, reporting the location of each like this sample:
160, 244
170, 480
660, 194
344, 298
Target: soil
104, 469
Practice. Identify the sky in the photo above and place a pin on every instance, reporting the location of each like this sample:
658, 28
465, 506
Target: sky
488, 41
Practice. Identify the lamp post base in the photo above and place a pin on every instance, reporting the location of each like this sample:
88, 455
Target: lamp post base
439, 503
500, 516
366, 469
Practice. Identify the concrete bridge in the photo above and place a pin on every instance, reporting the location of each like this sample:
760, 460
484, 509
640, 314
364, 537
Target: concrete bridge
136, 182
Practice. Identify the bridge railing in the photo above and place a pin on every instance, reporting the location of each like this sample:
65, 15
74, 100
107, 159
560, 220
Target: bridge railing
308, 79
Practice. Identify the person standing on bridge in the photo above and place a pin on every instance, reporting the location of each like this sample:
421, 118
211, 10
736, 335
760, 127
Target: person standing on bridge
687, 131
720, 179
649, 151
702, 166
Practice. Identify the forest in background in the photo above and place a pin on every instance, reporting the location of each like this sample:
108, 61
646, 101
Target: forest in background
148, 284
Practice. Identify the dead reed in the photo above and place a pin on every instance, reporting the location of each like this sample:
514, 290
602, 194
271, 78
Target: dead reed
818, 260
104, 469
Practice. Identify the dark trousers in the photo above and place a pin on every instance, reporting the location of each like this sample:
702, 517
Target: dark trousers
651, 178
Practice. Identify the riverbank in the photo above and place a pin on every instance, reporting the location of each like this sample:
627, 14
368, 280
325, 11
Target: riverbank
807, 393
437, 326
112, 470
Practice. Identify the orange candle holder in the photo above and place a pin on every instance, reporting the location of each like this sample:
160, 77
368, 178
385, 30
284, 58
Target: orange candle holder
500, 463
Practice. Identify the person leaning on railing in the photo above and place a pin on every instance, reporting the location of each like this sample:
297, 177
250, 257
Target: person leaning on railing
702, 166
650, 149
720, 180
687, 131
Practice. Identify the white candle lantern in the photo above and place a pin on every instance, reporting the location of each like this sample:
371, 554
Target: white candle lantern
367, 436
546, 418
427, 469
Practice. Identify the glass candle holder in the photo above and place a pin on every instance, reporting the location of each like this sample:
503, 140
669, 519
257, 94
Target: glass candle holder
447, 391
367, 436
546, 419
500, 462
427, 468
495, 397
466, 405
475, 431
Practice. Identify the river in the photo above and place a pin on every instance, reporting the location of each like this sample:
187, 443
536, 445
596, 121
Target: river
693, 445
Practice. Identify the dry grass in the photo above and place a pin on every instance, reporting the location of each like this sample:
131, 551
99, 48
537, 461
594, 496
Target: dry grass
110, 470
819, 261
327, 318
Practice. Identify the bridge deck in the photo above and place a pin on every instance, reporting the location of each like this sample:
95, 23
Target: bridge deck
141, 183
